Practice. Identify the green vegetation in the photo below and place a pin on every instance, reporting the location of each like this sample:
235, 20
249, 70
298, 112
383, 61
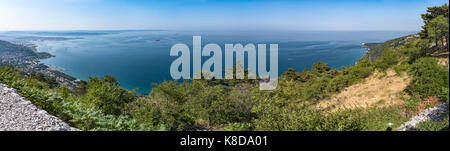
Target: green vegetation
101, 104
434, 125
60, 102
436, 25
43, 55
430, 79
376, 49
387, 59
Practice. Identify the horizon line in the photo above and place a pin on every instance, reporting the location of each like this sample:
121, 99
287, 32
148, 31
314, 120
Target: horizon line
60, 30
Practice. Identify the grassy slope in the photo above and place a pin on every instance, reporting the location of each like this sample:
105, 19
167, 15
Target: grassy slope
380, 89
407, 105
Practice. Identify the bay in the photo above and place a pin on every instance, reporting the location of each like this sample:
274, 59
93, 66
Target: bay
139, 58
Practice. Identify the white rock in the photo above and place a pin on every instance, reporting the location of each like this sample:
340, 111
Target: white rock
428, 114
19, 114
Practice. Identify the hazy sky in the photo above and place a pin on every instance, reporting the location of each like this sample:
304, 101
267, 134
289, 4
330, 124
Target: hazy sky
213, 14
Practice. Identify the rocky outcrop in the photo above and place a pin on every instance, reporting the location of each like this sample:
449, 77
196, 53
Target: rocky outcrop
433, 114
19, 114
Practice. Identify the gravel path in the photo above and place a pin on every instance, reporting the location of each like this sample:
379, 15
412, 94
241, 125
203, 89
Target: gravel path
433, 114
19, 114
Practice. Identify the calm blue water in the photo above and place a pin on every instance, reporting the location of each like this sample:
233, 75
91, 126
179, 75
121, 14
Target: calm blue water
137, 59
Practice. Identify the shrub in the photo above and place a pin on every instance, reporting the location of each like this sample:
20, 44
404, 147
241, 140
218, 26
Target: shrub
290, 74
63, 105
238, 127
434, 125
389, 58
306, 75
429, 79
107, 95
232, 108
320, 67
195, 105
273, 116
303, 117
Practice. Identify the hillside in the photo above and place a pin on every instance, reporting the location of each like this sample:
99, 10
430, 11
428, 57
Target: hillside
27, 58
380, 89
366, 96
7, 49
375, 50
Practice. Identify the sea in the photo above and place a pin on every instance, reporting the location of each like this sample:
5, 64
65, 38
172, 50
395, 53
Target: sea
139, 58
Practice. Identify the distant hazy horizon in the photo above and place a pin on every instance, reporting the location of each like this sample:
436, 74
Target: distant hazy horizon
206, 30
283, 15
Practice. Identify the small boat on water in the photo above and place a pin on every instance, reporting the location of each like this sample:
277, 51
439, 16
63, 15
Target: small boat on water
157, 40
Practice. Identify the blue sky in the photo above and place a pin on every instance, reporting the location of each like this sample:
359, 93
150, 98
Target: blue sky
213, 14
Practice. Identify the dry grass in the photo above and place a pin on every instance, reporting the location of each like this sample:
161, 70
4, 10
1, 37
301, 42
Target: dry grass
442, 58
443, 61
381, 89
427, 103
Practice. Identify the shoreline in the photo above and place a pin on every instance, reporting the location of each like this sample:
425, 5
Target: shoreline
365, 48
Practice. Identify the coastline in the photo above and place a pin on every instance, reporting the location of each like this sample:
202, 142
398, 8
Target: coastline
375, 50
27, 57
298, 63
76, 79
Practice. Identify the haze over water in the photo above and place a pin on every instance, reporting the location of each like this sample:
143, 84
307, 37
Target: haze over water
139, 58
